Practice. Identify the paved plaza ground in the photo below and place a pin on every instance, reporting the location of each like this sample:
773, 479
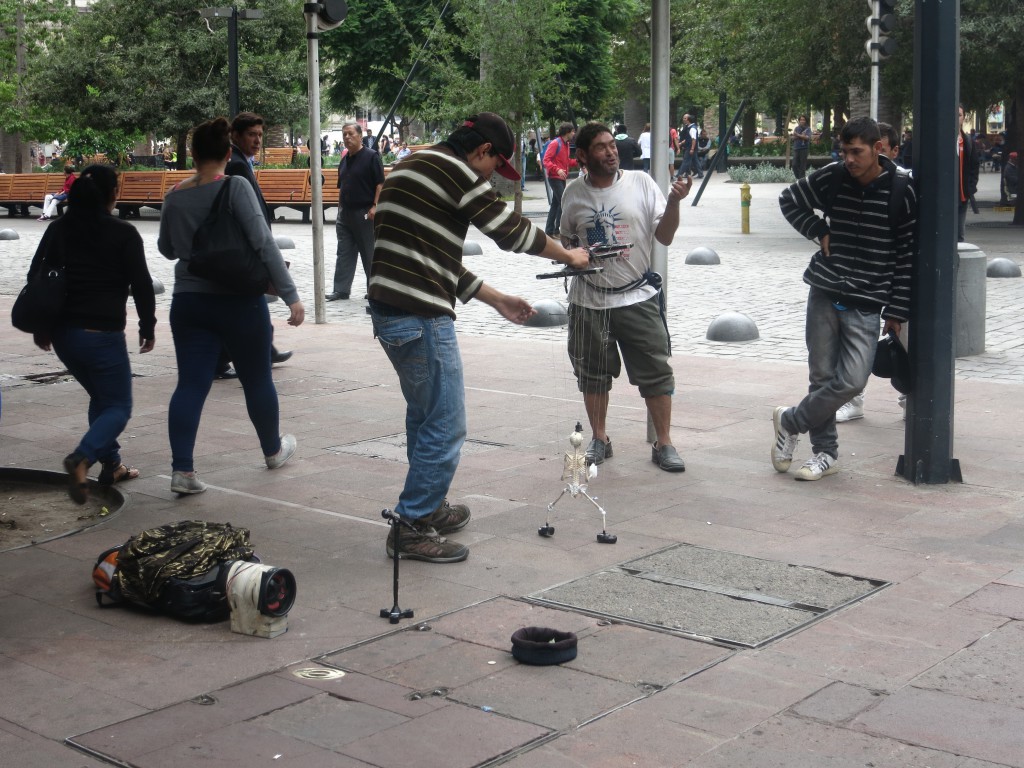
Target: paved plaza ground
918, 665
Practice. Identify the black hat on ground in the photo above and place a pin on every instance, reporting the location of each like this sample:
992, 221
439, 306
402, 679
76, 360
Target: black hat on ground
542, 646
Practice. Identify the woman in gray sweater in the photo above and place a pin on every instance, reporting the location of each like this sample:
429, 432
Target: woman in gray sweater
206, 315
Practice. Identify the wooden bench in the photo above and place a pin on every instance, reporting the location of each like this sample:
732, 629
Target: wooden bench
175, 177
277, 155
285, 188
26, 189
140, 189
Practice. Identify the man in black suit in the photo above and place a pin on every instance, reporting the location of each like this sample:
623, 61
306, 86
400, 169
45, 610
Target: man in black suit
246, 139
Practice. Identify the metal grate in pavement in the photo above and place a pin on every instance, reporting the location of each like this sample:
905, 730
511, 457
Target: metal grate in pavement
723, 597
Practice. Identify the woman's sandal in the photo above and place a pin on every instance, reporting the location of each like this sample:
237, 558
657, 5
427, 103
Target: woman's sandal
115, 473
77, 467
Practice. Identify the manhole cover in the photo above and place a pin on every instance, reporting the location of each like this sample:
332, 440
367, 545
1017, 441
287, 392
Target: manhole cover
721, 596
319, 673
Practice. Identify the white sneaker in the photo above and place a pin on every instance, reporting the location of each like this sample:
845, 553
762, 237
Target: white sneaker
816, 467
851, 410
186, 482
785, 443
286, 452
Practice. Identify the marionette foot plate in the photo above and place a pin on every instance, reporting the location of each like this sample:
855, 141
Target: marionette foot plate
606, 538
546, 530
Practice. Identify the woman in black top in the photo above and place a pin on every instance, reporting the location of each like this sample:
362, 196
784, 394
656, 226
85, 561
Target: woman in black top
103, 257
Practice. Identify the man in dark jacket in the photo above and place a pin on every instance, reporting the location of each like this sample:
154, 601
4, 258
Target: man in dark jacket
628, 148
246, 140
968, 167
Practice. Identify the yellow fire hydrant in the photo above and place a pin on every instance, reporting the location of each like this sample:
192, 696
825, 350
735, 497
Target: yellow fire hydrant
745, 207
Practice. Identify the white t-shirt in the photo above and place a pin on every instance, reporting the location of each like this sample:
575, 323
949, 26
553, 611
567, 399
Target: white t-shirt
628, 211
645, 145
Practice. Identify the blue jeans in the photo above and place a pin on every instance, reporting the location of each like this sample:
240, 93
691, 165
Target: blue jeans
99, 361
355, 237
425, 354
201, 323
840, 351
690, 164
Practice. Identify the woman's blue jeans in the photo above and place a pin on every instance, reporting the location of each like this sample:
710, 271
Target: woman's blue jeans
99, 361
201, 324
425, 354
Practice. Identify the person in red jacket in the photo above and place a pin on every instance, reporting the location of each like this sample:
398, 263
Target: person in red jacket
50, 201
558, 160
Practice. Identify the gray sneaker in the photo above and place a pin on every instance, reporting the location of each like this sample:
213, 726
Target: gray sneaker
186, 482
785, 443
597, 451
286, 451
425, 543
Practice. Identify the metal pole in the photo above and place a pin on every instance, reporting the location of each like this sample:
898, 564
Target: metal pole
659, 135
233, 63
315, 181
874, 61
929, 434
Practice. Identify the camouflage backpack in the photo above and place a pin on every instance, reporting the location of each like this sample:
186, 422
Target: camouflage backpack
175, 569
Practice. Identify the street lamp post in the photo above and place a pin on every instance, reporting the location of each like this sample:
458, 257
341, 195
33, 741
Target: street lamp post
232, 14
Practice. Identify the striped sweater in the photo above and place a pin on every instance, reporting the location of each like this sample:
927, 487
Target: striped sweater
426, 206
868, 265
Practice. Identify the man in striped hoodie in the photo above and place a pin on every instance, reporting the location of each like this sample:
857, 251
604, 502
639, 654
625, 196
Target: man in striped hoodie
860, 272
425, 208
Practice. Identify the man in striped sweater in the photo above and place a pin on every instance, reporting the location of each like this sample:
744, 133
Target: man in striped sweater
861, 271
425, 208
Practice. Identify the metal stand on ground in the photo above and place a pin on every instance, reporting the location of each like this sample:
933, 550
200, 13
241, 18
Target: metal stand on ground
395, 614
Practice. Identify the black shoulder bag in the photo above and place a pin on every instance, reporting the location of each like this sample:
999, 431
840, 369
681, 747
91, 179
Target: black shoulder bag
39, 305
222, 253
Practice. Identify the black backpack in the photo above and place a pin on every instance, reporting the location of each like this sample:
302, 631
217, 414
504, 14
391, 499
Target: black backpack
179, 569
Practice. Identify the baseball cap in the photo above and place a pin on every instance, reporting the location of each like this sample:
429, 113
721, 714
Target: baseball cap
497, 132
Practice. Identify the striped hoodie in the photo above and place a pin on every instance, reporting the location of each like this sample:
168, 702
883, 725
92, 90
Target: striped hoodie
868, 265
426, 206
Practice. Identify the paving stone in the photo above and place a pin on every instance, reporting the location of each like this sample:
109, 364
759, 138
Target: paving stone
787, 742
246, 744
328, 721
733, 696
555, 697
954, 724
837, 704
988, 670
470, 738
623, 739
451, 667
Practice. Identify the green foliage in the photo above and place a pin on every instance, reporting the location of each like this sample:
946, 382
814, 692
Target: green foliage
31, 23
155, 66
763, 173
86, 142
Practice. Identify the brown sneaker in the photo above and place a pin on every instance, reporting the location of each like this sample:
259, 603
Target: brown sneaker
425, 543
447, 518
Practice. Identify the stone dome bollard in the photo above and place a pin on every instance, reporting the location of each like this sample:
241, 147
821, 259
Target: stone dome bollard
1002, 268
550, 313
472, 248
9, 234
970, 300
702, 256
732, 326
